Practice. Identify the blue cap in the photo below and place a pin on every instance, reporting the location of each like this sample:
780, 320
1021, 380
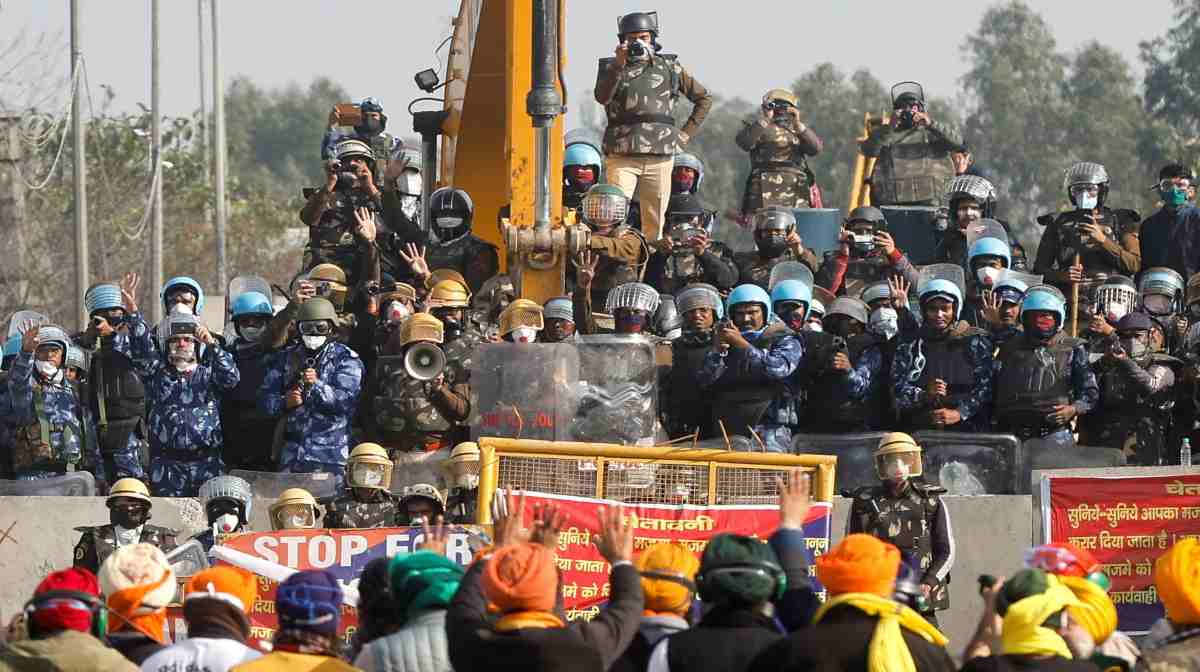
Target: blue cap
993, 247
752, 294
251, 303
183, 281
310, 600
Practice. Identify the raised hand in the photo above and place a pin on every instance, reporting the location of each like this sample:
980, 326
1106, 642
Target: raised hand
129, 287
615, 541
508, 518
416, 260
436, 538
795, 498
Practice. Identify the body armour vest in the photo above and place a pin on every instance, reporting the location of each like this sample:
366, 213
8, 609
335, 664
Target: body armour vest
741, 399
640, 114
911, 170
116, 397
948, 359
1033, 379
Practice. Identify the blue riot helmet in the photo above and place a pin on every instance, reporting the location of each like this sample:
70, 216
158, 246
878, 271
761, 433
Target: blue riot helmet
1043, 298
583, 154
942, 289
980, 251
686, 174
251, 303
103, 296
751, 294
790, 301
946, 281
182, 282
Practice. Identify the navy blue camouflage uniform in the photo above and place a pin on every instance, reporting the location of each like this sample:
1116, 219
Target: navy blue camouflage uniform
69, 427
184, 421
317, 433
963, 358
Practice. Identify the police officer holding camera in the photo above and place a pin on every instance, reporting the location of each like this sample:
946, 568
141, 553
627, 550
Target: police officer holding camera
912, 152
335, 213
778, 142
867, 254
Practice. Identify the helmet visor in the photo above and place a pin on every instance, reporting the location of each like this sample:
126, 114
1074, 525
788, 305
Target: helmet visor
296, 517
368, 475
898, 466
316, 328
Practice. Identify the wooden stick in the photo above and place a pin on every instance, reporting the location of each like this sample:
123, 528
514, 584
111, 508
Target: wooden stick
1075, 300
728, 446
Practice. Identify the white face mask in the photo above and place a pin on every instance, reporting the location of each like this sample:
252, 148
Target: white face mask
252, 334
467, 481
449, 222
988, 275
524, 335
182, 355
397, 312
226, 523
48, 370
1087, 201
1114, 311
410, 206
885, 322
409, 184
314, 342
814, 326
181, 308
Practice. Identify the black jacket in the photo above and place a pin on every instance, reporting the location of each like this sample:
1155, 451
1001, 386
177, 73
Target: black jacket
595, 645
1023, 663
1172, 239
840, 642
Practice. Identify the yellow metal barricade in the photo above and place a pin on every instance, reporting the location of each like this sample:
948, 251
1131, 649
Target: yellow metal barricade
657, 475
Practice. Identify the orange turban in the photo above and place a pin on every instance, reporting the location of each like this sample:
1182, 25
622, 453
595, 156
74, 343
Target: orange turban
521, 577
139, 583
1177, 577
232, 585
860, 564
670, 565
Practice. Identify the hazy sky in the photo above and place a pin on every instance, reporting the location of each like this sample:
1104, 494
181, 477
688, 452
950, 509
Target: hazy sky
739, 48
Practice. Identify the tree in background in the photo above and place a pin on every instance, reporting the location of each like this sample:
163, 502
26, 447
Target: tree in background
1172, 90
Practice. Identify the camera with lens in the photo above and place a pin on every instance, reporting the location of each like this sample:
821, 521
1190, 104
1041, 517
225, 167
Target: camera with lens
637, 49
906, 119
778, 106
862, 243
345, 179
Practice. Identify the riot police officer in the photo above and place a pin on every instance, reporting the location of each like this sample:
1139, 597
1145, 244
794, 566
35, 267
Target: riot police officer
943, 378
1160, 292
53, 431
367, 501
559, 314
248, 432
448, 301
1135, 394
776, 241
686, 174
686, 253
452, 245
421, 504
1091, 241
687, 408
370, 129
1043, 379
638, 89
462, 468
313, 388
912, 152
866, 254
970, 199
777, 142
333, 213
988, 260
128, 510
114, 393
396, 303
616, 253
748, 373
521, 322
294, 509
325, 281
227, 501
909, 513
1000, 309
841, 389
581, 171
1116, 297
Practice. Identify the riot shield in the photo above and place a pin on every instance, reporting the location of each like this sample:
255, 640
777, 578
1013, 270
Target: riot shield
1029, 279
188, 558
789, 270
819, 228
74, 484
823, 295
242, 284
855, 463
269, 485
971, 464
950, 272
1047, 454
19, 318
912, 229
600, 388
985, 228
413, 468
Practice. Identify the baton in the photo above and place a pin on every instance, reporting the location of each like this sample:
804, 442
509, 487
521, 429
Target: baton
1075, 300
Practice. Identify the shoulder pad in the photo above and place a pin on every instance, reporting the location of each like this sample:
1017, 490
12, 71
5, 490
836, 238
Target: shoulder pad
928, 489
1047, 219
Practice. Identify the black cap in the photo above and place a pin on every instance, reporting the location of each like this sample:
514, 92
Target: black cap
685, 204
1135, 321
638, 22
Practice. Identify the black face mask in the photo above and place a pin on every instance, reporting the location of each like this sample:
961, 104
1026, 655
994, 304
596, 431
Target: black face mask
128, 517
370, 127
771, 245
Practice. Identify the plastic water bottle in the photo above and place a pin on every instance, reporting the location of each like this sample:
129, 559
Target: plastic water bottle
1185, 453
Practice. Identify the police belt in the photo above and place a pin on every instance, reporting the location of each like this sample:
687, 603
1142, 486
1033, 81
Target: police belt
629, 119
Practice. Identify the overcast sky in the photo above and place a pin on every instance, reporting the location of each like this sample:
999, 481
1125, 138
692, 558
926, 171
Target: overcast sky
739, 48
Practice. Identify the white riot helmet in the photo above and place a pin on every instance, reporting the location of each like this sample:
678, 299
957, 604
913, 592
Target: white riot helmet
228, 489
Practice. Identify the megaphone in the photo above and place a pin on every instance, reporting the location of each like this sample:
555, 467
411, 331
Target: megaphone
424, 361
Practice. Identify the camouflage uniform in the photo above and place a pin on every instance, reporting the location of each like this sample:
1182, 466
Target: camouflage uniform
185, 421
331, 224
316, 434
1179, 653
912, 166
962, 358
1119, 254
53, 430
622, 253
117, 400
755, 269
779, 174
98, 542
669, 273
917, 522
1134, 408
406, 414
349, 512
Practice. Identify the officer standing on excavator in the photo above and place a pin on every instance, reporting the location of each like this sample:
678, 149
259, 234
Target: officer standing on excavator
912, 152
638, 88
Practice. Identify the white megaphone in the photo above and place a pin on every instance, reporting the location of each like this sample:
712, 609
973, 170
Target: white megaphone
424, 361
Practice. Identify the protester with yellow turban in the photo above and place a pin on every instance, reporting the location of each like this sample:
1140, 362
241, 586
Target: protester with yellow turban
668, 572
1177, 578
860, 627
138, 583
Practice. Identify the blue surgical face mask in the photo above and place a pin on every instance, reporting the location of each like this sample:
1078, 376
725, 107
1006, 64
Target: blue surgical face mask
1087, 201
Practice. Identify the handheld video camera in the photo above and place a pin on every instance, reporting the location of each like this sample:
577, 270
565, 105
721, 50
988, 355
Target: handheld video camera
637, 49
345, 179
862, 243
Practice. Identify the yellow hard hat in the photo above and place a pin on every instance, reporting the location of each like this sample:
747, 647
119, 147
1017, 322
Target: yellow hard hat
449, 294
422, 327
400, 291
369, 467
293, 497
444, 274
781, 94
907, 456
521, 313
128, 487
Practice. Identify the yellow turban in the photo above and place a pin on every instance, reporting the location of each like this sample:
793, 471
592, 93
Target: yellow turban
1177, 577
1023, 632
1096, 613
667, 569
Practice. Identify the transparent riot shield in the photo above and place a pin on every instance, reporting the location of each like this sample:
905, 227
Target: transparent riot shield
1047, 453
74, 484
986, 228
269, 484
238, 286
412, 468
188, 558
19, 319
971, 464
950, 272
1029, 279
912, 228
790, 270
617, 396
819, 228
855, 464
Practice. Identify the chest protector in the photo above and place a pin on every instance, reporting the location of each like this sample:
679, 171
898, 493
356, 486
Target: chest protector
104, 539
949, 359
346, 512
116, 397
641, 113
911, 169
46, 445
1033, 379
688, 406
827, 399
1097, 263
742, 398
400, 405
863, 271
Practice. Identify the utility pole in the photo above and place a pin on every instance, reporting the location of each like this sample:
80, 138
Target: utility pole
156, 234
79, 159
205, 128
219, 142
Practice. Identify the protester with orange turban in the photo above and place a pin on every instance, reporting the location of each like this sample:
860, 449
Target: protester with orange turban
668, 572
138, 583
1177, 578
